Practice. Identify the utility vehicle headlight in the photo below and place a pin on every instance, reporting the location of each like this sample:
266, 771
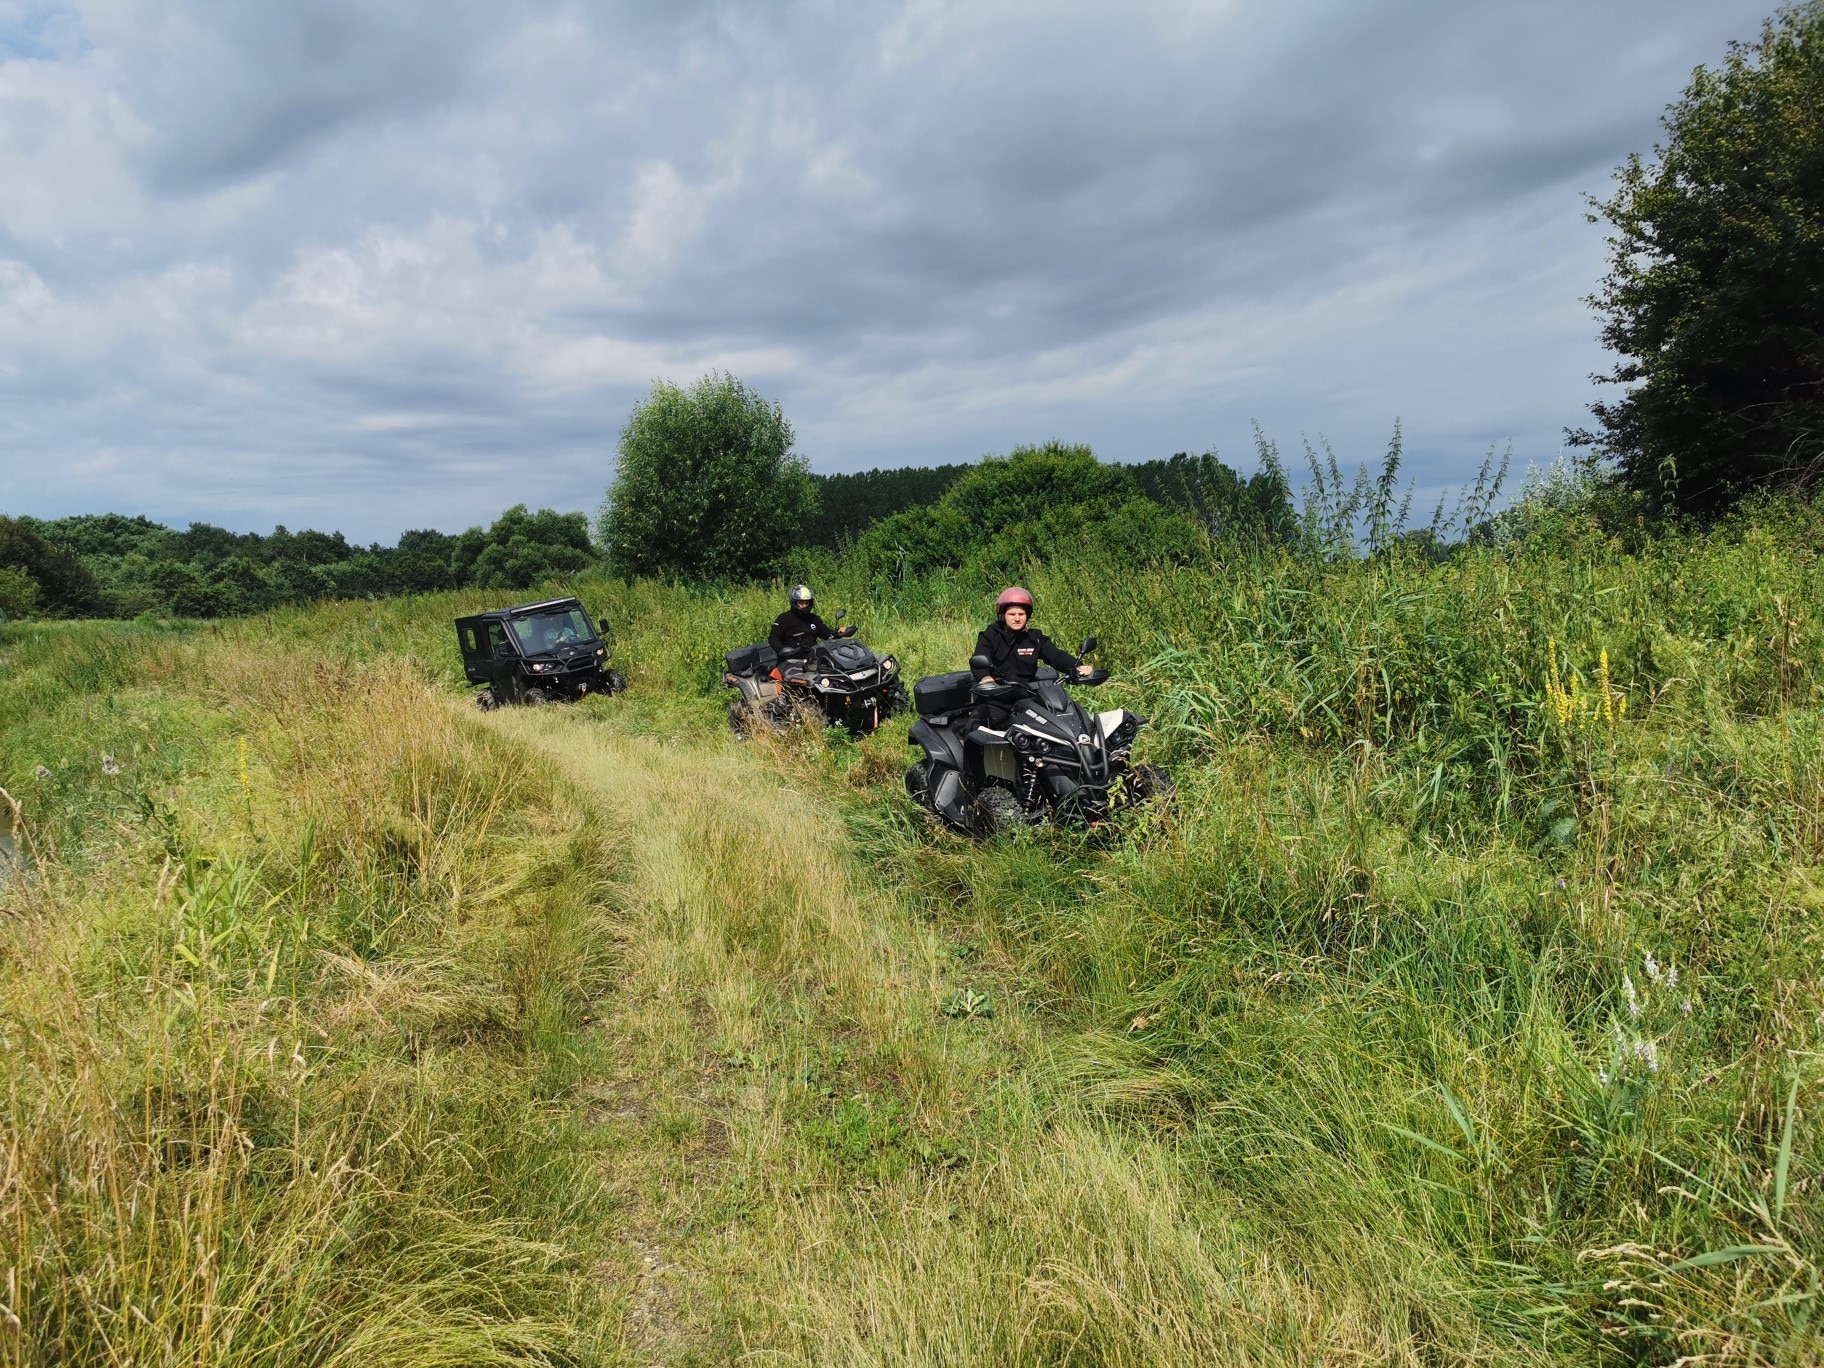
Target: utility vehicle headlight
539, 668
601, 650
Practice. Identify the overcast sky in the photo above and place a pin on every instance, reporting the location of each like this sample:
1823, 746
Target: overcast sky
377, 265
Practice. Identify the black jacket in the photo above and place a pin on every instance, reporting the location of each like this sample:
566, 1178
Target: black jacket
1016, 655
795, 633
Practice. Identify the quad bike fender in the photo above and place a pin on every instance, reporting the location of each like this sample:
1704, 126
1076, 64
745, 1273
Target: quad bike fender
756, 690
949, 797
941, 748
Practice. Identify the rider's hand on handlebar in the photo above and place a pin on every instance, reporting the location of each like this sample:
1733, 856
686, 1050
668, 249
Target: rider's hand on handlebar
1084, 669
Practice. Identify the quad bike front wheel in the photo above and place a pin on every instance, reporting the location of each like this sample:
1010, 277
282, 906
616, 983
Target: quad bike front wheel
1000, 811
1149, 783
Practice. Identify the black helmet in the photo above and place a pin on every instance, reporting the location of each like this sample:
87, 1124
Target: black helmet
801, 596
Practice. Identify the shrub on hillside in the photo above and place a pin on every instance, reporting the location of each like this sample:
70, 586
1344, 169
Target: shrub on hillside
848, 503
707, 485
1027, 505
522, 549
18, 592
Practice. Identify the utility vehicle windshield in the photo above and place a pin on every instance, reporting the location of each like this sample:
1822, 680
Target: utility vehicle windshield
541, 632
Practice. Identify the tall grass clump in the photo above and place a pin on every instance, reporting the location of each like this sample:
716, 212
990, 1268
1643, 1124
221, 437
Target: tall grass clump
283, 993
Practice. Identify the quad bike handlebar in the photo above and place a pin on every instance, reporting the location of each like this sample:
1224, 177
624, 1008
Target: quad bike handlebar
992, 691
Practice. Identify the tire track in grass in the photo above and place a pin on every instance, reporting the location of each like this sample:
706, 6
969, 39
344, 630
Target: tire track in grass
747, 944
822, 1168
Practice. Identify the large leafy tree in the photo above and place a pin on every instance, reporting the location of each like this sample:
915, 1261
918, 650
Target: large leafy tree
707, 485
1715, 294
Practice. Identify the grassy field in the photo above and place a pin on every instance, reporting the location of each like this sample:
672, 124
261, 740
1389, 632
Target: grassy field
1465, 1008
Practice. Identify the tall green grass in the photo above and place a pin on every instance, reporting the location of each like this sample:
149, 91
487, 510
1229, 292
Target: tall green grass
1458, 1010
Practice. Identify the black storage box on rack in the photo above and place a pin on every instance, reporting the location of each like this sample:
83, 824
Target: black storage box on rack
945, 693
752, 660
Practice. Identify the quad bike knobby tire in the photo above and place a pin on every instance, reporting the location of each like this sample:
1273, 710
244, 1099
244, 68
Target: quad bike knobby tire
1000, 811
741, 719
918, 781
1150, 783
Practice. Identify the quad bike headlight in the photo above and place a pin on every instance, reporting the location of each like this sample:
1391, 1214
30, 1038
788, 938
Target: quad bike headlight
888, 665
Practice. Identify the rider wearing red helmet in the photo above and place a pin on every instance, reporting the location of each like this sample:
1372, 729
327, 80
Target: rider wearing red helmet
1013, 648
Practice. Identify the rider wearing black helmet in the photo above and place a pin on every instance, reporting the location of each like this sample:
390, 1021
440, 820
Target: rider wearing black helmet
798, 628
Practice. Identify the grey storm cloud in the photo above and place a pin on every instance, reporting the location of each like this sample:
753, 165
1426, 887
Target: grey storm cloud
387, 266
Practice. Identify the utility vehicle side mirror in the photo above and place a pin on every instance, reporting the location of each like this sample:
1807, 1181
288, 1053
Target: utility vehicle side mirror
1089, 644
980, 663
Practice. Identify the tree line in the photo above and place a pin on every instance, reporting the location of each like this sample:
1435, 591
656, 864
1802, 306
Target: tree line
113, 565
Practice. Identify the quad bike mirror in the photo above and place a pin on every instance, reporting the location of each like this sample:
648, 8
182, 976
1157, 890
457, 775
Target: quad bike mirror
980, 662
1089, 644
841, 613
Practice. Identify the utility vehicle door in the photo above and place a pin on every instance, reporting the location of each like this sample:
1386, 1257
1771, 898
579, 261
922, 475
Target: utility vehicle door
503, 662
471, 637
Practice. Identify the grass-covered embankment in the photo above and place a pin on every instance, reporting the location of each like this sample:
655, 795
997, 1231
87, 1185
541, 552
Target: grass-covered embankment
292, 976
1458, 1011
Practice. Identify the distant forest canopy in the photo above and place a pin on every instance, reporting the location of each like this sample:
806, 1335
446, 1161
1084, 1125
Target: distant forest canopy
112, 565
993, 514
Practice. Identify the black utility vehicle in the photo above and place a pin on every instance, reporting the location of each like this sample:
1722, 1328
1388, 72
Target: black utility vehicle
1054, 758
839, 682
536, 653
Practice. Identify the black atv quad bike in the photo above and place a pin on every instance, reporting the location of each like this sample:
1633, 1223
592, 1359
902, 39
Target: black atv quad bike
536, 653
1053, 759
840, 682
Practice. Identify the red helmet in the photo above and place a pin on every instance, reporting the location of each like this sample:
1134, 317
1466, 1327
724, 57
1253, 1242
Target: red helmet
1013, 597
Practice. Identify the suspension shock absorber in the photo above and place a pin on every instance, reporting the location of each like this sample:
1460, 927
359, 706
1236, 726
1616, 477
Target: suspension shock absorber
1026, 782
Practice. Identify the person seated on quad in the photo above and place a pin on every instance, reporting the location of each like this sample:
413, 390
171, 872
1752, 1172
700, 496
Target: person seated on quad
1014, 650
799, 628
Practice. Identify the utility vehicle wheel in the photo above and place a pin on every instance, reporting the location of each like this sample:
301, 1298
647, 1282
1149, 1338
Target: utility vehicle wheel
616, 681
918, 781
1150, 783
537, 697
486, 701
1000, 811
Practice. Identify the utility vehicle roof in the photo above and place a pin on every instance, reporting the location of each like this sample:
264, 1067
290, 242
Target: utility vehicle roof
543, 605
